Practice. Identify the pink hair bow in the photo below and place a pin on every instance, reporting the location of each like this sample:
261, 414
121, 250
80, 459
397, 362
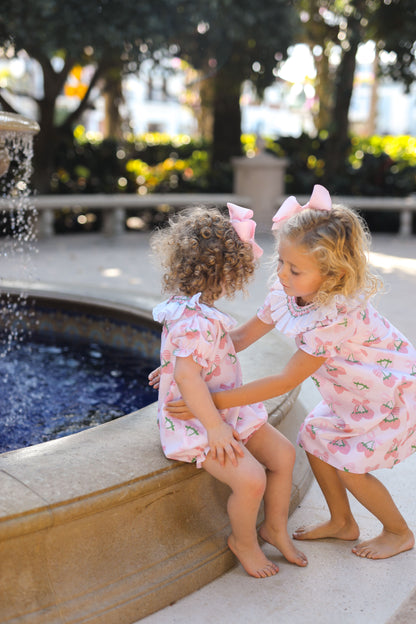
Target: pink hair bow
319, 200
242, 222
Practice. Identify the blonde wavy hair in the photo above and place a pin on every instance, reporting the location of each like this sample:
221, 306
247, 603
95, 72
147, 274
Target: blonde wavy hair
199, 251
339, 240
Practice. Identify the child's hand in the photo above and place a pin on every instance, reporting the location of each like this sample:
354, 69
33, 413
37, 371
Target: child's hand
179, 409
223, 442
154, 378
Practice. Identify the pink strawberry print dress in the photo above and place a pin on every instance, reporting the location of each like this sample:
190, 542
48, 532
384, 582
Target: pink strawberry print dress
193, 328
367, 418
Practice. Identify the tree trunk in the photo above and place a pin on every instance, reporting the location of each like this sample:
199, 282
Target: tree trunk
227, 113
338, 143
51, 135
47, 140
113, 96
324, 90
44, 148
372, 117
204, 112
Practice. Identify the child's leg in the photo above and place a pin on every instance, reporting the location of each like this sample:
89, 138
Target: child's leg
341, 524
247, 481
396, 537
275, 451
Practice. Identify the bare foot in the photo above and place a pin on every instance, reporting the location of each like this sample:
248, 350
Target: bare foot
385, 545
284, 544
346, 531
254, 561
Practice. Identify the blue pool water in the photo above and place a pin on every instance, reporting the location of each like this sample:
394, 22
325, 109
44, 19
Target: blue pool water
50, 389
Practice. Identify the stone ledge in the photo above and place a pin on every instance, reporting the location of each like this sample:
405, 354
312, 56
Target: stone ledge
100, 527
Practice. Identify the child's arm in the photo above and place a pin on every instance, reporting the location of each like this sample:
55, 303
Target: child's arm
244, 335
300, 366
199, 401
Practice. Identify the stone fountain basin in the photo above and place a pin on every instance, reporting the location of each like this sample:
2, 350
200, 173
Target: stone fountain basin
17, 124
100, 527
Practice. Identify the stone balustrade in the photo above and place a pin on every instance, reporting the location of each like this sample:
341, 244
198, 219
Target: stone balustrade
405, 206
114, 206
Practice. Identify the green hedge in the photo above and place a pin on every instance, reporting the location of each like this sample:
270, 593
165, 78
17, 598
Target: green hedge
161, 163
383, 166
144, 164
376, 165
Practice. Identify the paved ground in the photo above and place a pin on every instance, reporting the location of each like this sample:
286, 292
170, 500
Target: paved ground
336, 586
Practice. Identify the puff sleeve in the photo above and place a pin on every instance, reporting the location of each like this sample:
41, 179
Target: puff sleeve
196, 336
193, 328
327, 340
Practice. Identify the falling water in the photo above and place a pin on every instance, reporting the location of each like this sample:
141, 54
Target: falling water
17, 233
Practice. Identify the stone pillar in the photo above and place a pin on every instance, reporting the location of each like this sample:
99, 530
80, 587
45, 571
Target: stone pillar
405, 228
45, 223
114, 221
261, 178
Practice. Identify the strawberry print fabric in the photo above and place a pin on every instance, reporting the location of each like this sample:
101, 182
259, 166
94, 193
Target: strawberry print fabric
193, 328
367, 418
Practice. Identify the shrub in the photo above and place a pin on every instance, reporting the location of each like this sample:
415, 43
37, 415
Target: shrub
376, 165
179, 164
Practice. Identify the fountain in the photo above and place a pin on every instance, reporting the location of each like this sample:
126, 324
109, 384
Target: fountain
99, 526
14, 129
16, 150
17, 217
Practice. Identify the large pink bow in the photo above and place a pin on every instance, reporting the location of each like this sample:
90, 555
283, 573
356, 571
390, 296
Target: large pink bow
319, 200
242, 222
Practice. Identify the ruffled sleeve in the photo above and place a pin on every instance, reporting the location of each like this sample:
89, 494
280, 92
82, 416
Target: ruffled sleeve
327, 340
193, 327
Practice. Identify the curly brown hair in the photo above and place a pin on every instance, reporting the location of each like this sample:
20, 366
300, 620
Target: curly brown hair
200, 251
339, 240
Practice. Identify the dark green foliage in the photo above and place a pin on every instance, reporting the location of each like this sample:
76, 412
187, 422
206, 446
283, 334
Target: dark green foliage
88, 168
174, 167
97, 167
365, 173
44, 27
369, 172
152, 153
396, 23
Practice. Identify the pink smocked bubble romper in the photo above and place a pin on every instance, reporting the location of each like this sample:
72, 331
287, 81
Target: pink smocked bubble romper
367, 418
193, 328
